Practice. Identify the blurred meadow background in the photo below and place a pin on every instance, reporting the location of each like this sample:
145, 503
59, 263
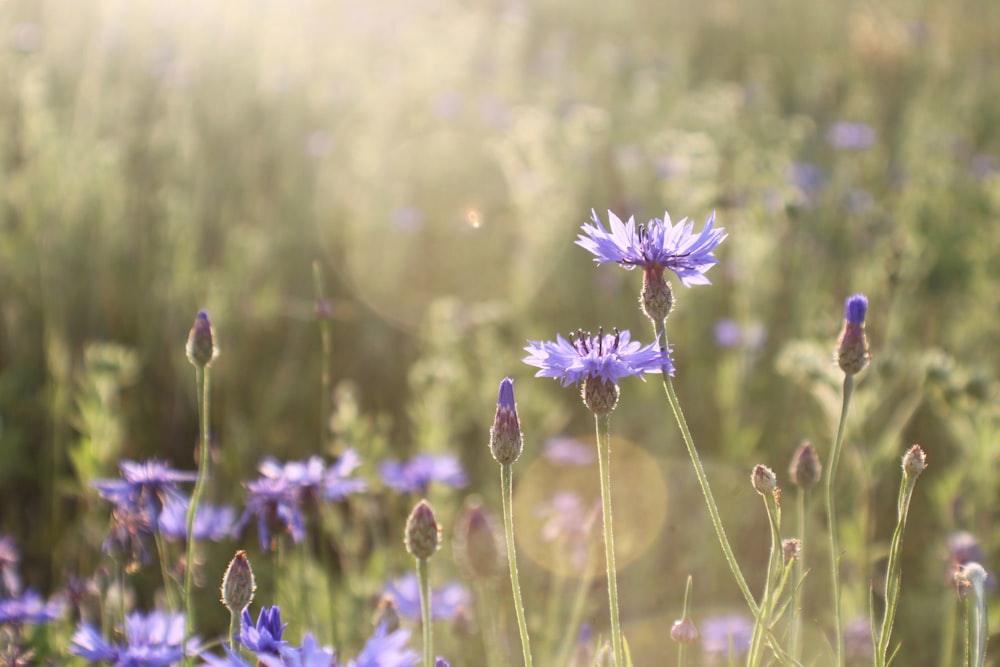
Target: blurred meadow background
425, 166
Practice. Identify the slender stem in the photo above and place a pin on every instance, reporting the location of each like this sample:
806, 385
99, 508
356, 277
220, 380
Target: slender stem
507, 499
425, 611
324, 334
169, 583
682, 646
978, 623
201, 377
713, 509
831, 474
604, 463
234, 629
572, 625
767, 601
794, 639
894, 570
484, 596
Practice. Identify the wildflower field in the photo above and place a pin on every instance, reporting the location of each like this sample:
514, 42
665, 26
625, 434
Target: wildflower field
362, 315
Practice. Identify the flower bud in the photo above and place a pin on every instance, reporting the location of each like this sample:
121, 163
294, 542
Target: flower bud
238, 584
805, 469
506, 441
914, 461
201, 348
790, 549
763, 480
477, 542
684, 631
423, 534
853, 353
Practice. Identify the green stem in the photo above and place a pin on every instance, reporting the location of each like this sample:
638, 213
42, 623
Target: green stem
976, 618
234, 630
425, 611
831, 474
767, 601
604, 463
507, 499
169, 583
794, 639
682, 646
894, 570
572, 625
201, 377
706, 490
324, 334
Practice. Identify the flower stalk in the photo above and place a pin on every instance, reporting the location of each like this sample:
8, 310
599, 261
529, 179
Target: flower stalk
604, 465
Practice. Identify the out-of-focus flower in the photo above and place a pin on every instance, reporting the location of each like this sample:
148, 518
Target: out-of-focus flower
858, 646
265, 636
147, 484
719, 633
9, 559
850, 136
29, 608
659, 243
562, 450
729, 333
446, 601
608, 357
386, 649
964, 548
313, 479
275, 505
153, 640
211, 522
416, 475
310, 654
569, 522
131, 531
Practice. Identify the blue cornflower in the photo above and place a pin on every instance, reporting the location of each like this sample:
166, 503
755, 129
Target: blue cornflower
608, 357
855, 308
446, 601
415, 475
313, 479
230, 659
211, 522
310, 654
720, 633
386, 649
276, 507
265, 637
655, 246
29, 608
129, 536
852, 353
154, 640
148, 484
566, 451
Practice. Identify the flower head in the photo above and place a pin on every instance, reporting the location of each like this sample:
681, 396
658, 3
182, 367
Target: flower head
422, 535
148, 484
275, 505
211, 522
153, 640
608, 357
201, 349
852, 352
446, 601
265, 636
386, 649
313, 479
415, 475
656, 244
30, 608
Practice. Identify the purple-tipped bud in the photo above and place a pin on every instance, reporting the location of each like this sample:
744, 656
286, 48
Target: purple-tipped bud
656, 298
763, 480
387, 612
684, 631
506, 441
441, 662
238, 584
790, 549
914, 461
423, 534
852, 352
805, 469
600, 395
201, 348
477, 542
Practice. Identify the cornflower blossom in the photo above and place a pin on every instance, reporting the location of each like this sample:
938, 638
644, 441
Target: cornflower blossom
276, 507
147, 484
562, 450
383, 649
130, 533
386, 649
655, 246
264, 637
313, 479
446, 601
415, 476
153, 640
29, 608
720, 633
211, 522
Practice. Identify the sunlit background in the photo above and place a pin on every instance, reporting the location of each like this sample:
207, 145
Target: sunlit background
427, 165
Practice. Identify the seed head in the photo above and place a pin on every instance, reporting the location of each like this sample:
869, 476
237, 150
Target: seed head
790, 549
423, 534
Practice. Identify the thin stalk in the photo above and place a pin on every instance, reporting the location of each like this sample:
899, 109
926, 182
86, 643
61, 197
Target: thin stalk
169, 583
682, 646
324, 334
767, 601
795, 635
423, 578
706, 490
576, 611
894, 570
484, 595
201, 378
976, 619
604, 463
507, 499
950, 626
831, 474
234, 630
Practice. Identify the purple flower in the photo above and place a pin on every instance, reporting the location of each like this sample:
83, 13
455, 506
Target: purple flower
276, 507
313, 479
147, 484
211, 522
156, 640
569, 522
855, 308
29, 609
608, 357
131, 530
310, 654
446, 601
230, 659
850, 136
563, 450
265, 637
386, 649
415, 475
656, 244
720, 633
